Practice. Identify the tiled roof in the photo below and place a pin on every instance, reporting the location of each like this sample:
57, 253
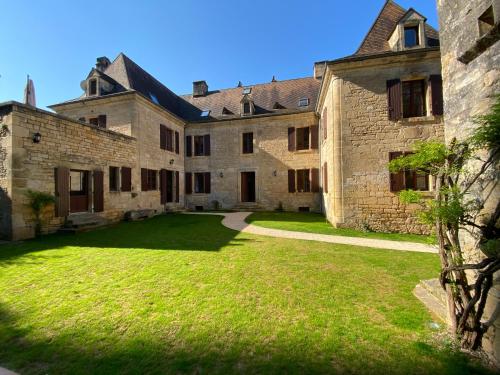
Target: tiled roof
377, 39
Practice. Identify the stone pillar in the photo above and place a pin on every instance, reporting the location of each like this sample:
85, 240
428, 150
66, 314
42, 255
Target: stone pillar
338, 193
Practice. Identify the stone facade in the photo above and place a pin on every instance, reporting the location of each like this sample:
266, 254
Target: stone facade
471, 79
359, 138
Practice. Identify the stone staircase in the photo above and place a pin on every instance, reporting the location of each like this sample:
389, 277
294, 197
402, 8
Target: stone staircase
432, 295
82, 222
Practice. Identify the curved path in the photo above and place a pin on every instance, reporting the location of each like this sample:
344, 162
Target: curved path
236, 221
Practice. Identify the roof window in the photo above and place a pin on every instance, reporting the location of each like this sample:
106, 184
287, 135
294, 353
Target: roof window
247, 90
411, 36
153, 98
205, 113
277, 105
303, 102
226, 112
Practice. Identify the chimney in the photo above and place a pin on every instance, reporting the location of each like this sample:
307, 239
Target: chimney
102, 63
200, 88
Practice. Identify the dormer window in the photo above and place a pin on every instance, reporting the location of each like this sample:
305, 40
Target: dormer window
92, 87
205, 113
247, 109
153, 98
411, 36
303, 102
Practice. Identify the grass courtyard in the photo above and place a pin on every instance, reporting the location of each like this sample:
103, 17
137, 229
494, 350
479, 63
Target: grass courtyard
182, 294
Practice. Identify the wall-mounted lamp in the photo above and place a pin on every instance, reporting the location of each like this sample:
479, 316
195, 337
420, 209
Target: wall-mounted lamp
37, 137
171, 161
221, 175
275, 173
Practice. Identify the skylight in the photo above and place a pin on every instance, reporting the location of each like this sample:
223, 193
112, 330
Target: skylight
205, 113
247, 90
303, 102
154, 99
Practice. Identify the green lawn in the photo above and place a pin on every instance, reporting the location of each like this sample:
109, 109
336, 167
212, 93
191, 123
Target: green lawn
182, 294
316, 223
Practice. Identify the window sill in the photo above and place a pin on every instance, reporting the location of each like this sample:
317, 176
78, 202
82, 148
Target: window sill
114, 191
306, 151
424, 120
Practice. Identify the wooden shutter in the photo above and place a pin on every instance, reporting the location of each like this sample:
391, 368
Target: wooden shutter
291, 139
325, 177
163, 137
207, 182
144, 179
437, 94
177, 186
324, 123
188, 183
394, 99
314, 137
98, 191
291, 181
315, 180
163, 186
206, 144
189, 146
126, 179
101, 121
62, 191
397, 179
177, 142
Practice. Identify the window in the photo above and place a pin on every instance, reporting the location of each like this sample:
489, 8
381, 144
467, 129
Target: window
114, 177
247, 109
77, 182
153, 98
415, 180
247, 90
202, 183
414, 98
126, 179
99, 121
411, 36
226, 112
302, 138
205, 113
486, 21
170, 140
303, 102
148, 179
151, 179
82, 119
199, 145
303, 183
93, 121
93, 87
248, 143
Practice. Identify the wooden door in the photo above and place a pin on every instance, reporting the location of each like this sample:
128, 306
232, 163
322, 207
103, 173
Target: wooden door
79, 191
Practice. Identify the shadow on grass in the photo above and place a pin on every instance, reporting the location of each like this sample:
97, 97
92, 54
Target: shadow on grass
165, 232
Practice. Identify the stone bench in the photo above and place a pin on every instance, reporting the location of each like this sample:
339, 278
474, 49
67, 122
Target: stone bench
139, 214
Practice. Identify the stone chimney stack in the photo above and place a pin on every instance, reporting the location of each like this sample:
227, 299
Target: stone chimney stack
200, 88
102, 63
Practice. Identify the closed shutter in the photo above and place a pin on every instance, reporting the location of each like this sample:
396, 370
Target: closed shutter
206, 144
101, 121
163, 186
177, 147
163, 137
437, 94
314, 137
291, 181
177, 186
98, 191
189, 146
188, 183
397, 179
207, 182
126, 179
144, 179
291, 139
315, 180
394, 99
324, 123
325, 178
62, 191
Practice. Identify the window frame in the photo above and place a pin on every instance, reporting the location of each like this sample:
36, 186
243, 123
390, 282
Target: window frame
412, 175
305, 143
93, 81
114, 179
301, 101
303, 180
416, 29
409, 110
247, 145
198, 143
196, 187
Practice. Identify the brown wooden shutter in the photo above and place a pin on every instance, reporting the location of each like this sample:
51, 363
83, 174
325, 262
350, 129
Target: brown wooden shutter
144, 179
163, 137
397, 179
325, 177
291, 139
324, 123
394, 99
126, 179
101, 121
163, 186
206, 144
315, 180
314, 137
98, 191
188, 183
62, 191
437, 94
177, 186
291, 181
177, 147
207, 182
189, 146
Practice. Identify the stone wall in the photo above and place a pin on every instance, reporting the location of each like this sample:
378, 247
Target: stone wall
469, 90
360, 138
5, 173
271, 161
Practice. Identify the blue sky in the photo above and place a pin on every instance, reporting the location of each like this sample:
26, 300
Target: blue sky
178, 42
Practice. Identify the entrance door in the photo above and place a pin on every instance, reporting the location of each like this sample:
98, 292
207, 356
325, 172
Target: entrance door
79, 191
170, 186
248, 186
166, 186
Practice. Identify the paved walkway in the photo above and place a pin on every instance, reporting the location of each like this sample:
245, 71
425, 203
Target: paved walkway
236, 221
4, 371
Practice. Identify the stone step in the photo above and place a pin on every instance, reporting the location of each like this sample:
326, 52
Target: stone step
433, 286
432, 298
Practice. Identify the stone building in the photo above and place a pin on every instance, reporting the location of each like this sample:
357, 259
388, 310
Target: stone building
470, 54
255, 147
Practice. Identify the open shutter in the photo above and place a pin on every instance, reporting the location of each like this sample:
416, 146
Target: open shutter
314, 137
291, 139
189, 146
207, 182
291, 181
101, 121
394, 99
163, 186
206, 144
177, 142
177, 186
324, 123
437, 94
397, 179
188, 183
144, 179
315, 180
126, 179
163, 137
62, 191
98, 191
